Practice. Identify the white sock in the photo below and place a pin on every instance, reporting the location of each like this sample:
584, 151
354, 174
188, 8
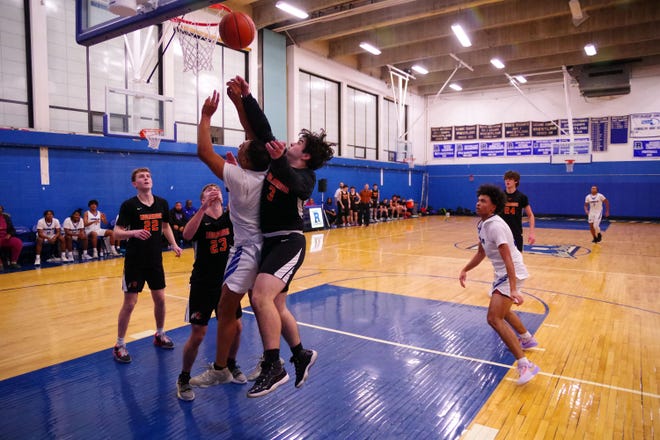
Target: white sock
525, 336
160, 331
120, 342
523, 361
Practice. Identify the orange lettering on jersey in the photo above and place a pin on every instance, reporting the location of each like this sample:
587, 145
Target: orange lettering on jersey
217, 234
155, 216
277, 183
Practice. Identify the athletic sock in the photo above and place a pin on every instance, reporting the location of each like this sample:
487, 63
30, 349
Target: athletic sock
525, 336
523, 361
120, 342
231, 363
217, 367
297, 350
272, 356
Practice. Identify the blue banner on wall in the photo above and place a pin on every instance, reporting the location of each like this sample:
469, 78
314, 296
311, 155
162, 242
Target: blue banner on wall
520, 148
619, 129
542, 147
646, 149
492, 149
467, 150
444, 150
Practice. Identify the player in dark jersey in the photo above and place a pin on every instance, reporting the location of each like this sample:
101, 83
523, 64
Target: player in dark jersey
289, 182
375, 201
516, 202
143, 221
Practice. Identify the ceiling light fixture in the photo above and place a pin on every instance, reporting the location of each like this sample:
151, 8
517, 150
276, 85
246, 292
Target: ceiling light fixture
521, 79
369, 48
461, 35
590, 50
419, 69
497, 63
455, 86
284, 6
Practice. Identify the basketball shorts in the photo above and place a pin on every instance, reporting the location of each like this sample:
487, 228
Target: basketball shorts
242, 267
595, 217
202, 303
135, 276
282, 255
502, 286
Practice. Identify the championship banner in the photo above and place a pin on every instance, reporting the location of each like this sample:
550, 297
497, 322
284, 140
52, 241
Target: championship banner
645, 125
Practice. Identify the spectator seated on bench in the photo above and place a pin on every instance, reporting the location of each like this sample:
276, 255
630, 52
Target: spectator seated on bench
9, 242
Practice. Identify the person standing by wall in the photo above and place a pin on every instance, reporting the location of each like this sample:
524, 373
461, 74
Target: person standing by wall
143, 221
365, 205
593, 207
516, 203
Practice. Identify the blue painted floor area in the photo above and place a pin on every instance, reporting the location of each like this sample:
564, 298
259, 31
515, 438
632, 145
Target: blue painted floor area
362, 385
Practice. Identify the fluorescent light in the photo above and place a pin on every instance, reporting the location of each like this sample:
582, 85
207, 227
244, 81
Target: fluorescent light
456, 87
576, 10
521, 79
369, 48
420, 69
461, 35
590, 49
291, 9
497, 63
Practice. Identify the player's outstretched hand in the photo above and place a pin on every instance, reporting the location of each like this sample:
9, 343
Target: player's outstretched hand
276, 149
211, 104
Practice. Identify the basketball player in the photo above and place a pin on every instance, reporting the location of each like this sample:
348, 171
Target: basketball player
244, 183
496, 243
143, 221
94, 221
74, 232
211, 232
289, 182
516, 202
375, 201
593, 207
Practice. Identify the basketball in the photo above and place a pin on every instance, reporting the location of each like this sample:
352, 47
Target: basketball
237, 30
410, 204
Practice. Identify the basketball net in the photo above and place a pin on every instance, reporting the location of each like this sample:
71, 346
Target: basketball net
198, 40
153, 137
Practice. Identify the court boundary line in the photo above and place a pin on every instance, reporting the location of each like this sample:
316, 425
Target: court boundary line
471, 359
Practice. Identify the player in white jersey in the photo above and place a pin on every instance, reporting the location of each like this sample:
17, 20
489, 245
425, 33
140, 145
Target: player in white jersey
74, 232
94, 221
593, 207
496, 242
49, 232
243, 177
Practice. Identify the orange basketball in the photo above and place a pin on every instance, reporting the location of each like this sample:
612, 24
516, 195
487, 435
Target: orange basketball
237, 30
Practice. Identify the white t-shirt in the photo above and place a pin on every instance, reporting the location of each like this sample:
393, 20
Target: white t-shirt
49, 229
493, 232
595, 203
96, 226
244, 201
75, 228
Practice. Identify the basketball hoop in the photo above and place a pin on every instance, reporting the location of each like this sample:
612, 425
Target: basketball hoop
569, 165
198, 40
153, 136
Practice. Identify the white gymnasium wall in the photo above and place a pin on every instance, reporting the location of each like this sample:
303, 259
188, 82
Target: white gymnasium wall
508, 105
301, 59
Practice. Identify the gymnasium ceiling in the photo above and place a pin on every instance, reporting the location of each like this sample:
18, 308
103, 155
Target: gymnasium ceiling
532, 37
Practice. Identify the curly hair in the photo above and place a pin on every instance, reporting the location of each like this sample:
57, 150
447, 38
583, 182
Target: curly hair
496, 196
258, 155
318, 149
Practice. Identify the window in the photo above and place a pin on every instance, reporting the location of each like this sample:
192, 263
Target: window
318, 106
362, 124
392, 149
14, 111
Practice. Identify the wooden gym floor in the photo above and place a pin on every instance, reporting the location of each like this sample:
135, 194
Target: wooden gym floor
595, 310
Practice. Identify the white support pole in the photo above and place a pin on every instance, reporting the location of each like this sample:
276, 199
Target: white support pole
569, 111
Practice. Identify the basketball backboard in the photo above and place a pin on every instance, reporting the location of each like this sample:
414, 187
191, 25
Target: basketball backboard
127, 112
95, 23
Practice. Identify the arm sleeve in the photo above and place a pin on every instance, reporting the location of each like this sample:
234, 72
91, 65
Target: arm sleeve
257, 119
